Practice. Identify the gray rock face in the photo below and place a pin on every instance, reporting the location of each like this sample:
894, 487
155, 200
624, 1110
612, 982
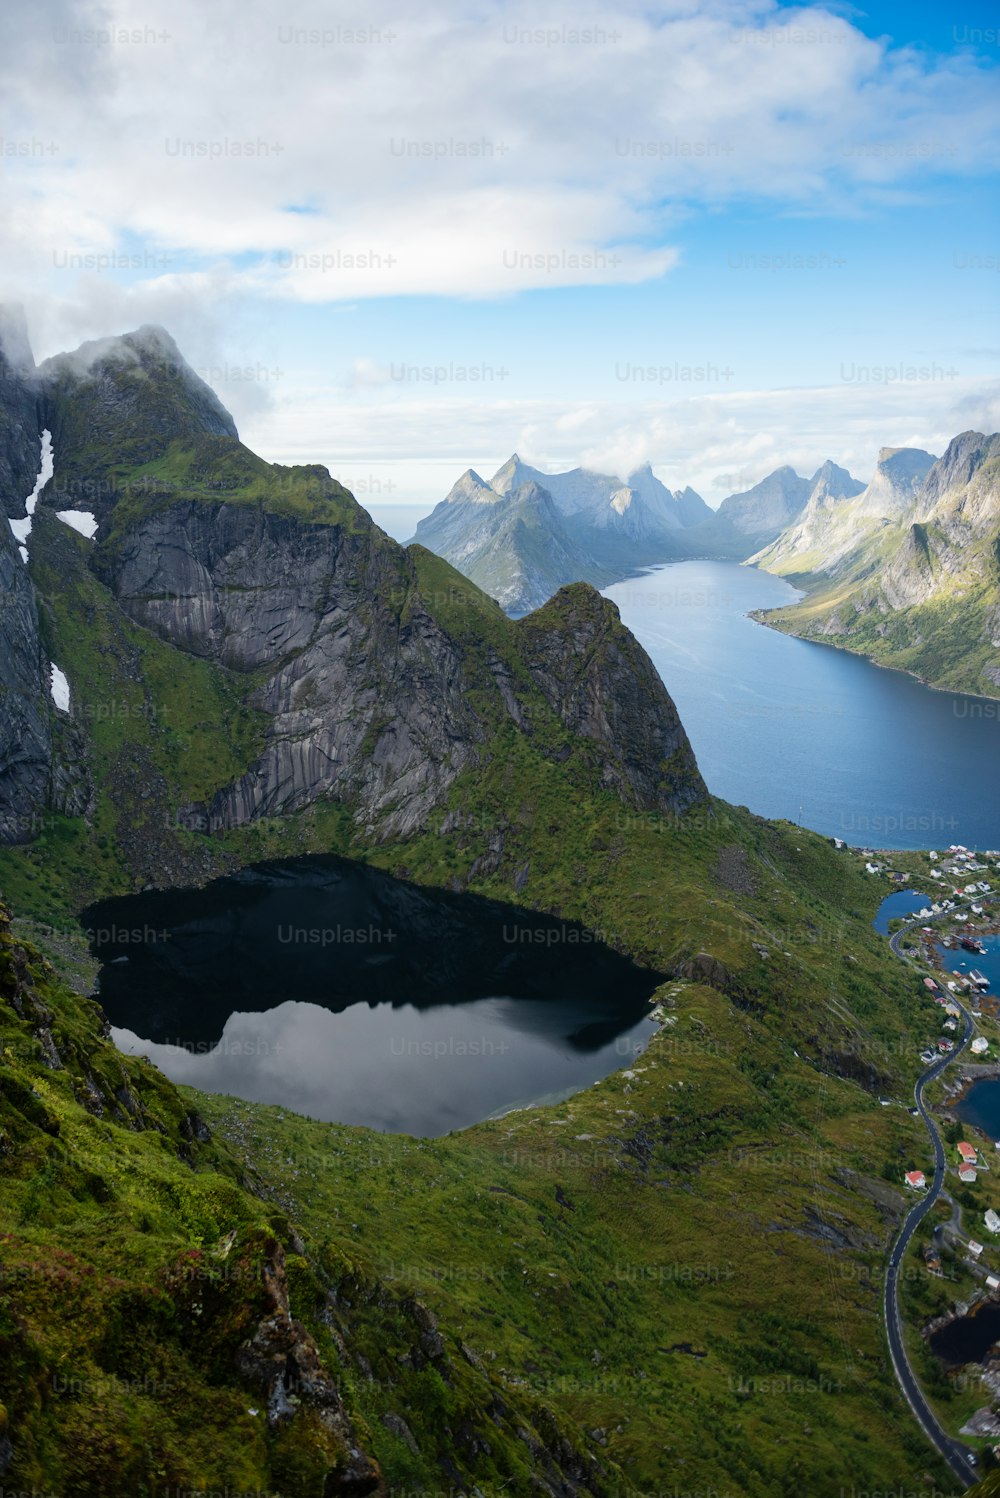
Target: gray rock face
367, 700
368, 694
769, 506
25, 709
896, 482
20, 427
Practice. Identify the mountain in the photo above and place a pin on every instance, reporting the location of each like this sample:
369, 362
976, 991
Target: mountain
764, 510
841, 513
516, 545
909, 572
19, 445
361, 671
199, 1293
526, 533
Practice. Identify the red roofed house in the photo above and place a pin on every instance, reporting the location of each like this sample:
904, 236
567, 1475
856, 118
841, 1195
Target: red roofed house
967, 1152
967, 1173
915, 1179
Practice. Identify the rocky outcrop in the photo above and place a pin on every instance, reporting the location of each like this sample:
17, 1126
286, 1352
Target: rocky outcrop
282, 1362
605, 689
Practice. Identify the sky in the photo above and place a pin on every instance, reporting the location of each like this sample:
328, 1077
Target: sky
403, 241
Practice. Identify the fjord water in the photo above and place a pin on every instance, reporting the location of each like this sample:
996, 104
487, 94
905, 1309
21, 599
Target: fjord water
803, 731
343, 993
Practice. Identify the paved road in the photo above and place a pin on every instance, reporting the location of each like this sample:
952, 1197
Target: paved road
955, 1454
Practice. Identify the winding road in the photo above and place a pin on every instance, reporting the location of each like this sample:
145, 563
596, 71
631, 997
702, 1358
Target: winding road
960, 1459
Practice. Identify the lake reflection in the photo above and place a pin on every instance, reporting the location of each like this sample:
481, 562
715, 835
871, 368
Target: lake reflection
403, 1069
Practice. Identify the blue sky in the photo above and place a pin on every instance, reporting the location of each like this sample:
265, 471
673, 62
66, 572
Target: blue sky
715, 236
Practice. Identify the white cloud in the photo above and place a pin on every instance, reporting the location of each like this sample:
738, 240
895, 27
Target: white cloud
448, 138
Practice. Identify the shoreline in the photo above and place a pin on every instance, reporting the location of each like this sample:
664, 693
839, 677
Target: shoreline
756, 615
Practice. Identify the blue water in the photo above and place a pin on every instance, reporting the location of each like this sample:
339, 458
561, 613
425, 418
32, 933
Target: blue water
803, 731
960, 961
903, 902
981, 1106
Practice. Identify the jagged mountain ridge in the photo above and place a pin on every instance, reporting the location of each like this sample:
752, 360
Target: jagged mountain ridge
600, 528
833, 526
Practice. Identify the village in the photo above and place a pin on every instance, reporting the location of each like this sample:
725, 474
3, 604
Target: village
957, 1245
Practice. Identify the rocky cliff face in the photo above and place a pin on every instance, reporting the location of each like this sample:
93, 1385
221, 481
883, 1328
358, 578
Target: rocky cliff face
20, 424
25, 706
606, 691
896, 483
363, 688
368, 694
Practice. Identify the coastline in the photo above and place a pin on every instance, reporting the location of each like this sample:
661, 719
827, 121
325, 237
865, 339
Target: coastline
758, 616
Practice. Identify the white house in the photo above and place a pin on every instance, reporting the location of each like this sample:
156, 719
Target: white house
975, 1249
980, 1044
992, 1220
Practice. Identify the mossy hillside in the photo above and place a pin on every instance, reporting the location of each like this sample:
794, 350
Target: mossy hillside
117, 403
135, 1266
686, 1257
747, 1133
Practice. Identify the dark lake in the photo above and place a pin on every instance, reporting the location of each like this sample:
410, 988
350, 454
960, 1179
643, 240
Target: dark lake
968, 1339
803, 731
343, 993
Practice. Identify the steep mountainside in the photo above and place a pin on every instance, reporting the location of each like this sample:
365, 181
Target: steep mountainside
26, 709
20, 419
517, 546
909, 573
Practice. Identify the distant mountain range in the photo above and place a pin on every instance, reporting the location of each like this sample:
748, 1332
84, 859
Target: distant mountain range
524, 534
908, 572
905, 569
